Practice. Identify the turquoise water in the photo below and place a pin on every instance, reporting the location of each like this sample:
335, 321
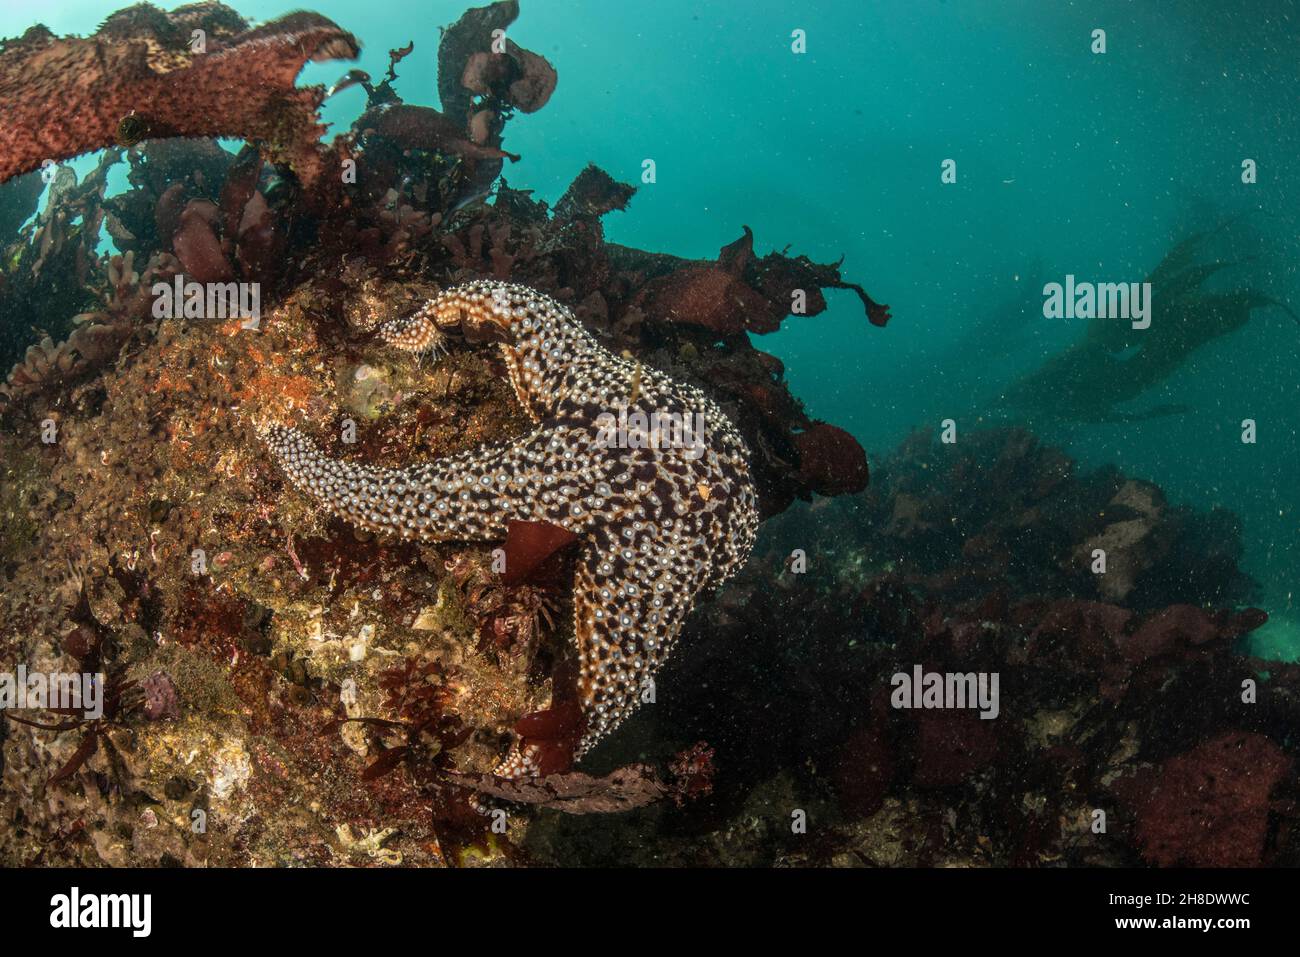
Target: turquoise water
1067, 162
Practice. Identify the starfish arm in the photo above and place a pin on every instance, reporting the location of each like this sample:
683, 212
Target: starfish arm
556, 367
470, 496
630, 598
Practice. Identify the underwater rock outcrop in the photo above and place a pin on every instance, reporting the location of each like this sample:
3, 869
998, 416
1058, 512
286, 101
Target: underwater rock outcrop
266, 654
969, 559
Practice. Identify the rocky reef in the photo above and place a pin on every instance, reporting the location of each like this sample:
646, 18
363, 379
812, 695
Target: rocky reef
1131, 727
284, 688
281, 688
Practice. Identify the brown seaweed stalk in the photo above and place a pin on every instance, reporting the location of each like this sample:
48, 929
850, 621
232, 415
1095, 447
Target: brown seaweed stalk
1114, 363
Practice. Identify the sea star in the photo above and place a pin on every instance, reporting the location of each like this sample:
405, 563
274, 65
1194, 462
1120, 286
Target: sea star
659, 520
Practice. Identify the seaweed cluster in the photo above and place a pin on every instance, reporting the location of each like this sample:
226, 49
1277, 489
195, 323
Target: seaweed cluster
404, 196
1124, 693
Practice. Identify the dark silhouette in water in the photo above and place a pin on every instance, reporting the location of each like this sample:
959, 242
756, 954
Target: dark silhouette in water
1114, 362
